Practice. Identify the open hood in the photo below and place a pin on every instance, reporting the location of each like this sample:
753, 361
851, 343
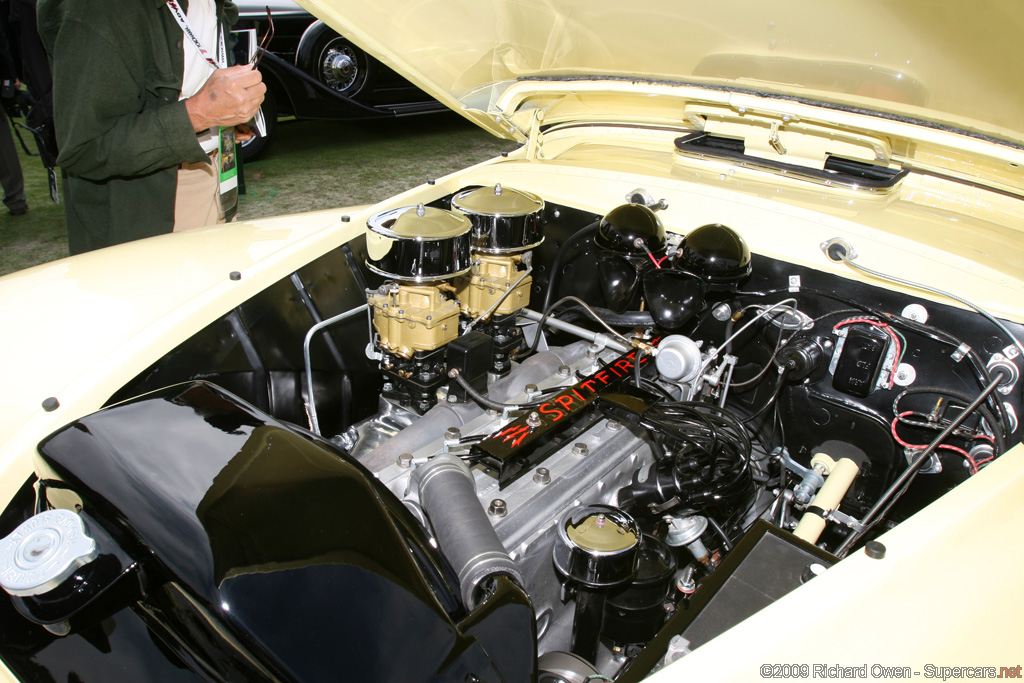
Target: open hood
937, 62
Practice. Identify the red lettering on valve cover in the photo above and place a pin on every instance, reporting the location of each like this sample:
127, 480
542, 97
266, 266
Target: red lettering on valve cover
515, 434
548, 409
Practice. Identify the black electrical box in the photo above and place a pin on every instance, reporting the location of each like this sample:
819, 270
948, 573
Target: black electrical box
470, 354
860, 360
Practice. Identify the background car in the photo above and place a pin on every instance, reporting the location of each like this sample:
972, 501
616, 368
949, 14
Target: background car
312, 72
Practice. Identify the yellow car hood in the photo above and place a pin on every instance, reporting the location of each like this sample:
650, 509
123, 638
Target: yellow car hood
126, 306
943, 63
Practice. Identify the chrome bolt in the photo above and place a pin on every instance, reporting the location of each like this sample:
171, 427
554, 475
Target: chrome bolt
533, 419
580, 449
452, 433
614, 425
405, 460
542, 475
563, 370
497, 508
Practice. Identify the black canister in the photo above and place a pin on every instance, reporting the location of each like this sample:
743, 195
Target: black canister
636, 612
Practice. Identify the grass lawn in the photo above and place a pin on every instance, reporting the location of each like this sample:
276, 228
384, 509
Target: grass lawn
311, 165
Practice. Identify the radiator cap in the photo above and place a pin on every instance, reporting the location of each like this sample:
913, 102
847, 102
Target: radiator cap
43, 552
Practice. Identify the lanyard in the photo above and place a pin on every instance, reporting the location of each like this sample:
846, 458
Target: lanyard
179, 16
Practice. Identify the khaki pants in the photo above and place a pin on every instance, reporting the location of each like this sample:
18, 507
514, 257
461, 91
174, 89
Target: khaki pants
197, 200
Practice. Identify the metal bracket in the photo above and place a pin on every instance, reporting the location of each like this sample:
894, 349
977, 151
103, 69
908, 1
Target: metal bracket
774, 140
810, 479
846, 520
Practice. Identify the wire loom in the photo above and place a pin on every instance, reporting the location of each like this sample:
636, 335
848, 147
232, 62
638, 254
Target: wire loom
703, 459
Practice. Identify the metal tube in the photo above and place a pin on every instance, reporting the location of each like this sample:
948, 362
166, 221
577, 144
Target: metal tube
581, 332
464, 533
314, 425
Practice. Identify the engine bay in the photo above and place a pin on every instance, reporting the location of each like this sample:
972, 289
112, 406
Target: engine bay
617, 419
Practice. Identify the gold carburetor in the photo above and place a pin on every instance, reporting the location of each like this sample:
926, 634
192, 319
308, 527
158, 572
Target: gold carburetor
481, 290
506, 225
472, 260
422, 248
410, 318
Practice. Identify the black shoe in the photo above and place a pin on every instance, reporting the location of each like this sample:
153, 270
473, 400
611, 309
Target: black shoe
19, 212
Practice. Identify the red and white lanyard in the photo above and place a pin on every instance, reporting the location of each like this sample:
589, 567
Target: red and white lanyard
182, 19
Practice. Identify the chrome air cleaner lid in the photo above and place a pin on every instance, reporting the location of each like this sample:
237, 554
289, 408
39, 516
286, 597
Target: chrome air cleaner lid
418, 244
44, 551
597, 546
505, 220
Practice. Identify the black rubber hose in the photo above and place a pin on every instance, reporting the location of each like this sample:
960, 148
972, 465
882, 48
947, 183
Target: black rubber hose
637, 377
556, 265
726, 545
626, 319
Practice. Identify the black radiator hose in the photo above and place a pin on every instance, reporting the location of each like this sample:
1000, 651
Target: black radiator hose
625, 319
556, 265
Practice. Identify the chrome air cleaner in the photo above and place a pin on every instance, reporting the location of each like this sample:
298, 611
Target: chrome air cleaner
418, 244
505, 220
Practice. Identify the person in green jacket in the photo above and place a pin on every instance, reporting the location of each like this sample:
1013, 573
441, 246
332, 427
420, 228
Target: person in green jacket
125, 128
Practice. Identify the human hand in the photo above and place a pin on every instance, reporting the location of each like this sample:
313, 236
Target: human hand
244, 133
231, 96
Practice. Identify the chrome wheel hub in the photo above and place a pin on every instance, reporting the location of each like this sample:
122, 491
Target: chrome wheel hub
339, 68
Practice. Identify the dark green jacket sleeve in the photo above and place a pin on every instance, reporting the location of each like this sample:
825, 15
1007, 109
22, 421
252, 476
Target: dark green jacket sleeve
117, 78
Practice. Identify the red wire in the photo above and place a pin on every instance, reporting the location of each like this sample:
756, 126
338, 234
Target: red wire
656, 262
916, 447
